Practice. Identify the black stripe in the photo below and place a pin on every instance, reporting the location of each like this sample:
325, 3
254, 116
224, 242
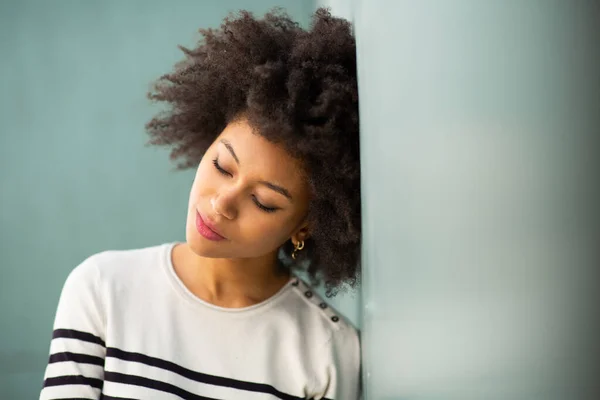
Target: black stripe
105, 397
76, 357
74, 334
152, 384
198, 376
73, 380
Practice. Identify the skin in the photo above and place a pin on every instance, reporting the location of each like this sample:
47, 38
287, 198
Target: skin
242, 270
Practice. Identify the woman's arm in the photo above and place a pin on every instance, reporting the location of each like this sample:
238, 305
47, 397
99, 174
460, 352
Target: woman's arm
345, 373
76, 365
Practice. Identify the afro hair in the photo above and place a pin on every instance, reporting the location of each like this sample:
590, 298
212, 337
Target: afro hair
297, 88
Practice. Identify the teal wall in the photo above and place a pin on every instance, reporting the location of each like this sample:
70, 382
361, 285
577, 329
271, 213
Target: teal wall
75, 176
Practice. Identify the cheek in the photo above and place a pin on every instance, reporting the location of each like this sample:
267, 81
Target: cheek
202, 179
264, 232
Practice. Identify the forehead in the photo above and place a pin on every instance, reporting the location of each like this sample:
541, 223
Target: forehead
261, 158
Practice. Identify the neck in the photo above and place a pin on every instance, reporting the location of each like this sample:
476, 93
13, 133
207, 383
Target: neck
231, 283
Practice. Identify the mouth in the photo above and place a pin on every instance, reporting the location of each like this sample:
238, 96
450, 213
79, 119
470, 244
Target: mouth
206, 230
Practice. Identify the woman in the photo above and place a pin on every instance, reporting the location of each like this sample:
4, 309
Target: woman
268, 114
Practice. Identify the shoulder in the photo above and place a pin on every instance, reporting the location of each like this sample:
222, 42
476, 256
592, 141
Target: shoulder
117, 265
316, 315
330, 341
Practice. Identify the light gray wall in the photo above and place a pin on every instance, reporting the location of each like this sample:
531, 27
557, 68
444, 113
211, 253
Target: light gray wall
480, 125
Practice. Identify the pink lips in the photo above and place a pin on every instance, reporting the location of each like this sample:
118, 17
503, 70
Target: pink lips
205, 230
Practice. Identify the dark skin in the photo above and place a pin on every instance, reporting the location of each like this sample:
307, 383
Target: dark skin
256, 196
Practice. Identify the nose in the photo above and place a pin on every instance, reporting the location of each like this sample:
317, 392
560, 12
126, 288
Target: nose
224, 203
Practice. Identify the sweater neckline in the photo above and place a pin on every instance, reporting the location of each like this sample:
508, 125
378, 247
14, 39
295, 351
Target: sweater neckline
183, 291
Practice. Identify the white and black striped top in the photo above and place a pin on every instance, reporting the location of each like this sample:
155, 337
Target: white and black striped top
127, 328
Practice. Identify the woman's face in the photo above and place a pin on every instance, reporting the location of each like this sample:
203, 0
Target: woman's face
248, 197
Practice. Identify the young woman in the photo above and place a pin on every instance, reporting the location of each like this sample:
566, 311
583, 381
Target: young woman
267, 113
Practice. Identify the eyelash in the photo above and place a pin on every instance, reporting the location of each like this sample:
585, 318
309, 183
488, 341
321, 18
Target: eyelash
218, 167
254, 199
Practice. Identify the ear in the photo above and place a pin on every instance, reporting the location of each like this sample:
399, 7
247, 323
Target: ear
301, 234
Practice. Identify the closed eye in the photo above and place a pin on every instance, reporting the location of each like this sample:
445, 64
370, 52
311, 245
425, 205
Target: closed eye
220, 169
254, 199
263, 207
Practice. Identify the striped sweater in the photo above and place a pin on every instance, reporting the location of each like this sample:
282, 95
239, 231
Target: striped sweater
127, 328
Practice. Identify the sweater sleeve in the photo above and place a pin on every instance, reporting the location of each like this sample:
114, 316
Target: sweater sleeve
345, 372
76, 365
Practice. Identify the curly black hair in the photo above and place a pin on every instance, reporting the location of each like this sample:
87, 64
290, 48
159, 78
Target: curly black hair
297, 88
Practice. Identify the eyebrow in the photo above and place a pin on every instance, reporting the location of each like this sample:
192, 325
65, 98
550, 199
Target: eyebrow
278, 189
230, 148
272, 186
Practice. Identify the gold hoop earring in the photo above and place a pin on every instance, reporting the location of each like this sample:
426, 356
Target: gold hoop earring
299, 246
